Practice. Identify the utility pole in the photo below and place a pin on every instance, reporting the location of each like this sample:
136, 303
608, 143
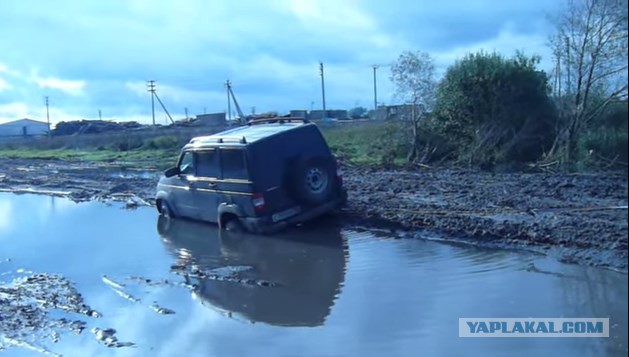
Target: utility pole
151, 89
229, 102
322, 88
375, 90
47, 114
100, 115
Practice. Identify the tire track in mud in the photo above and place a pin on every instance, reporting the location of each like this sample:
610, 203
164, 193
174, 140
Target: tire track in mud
577, 218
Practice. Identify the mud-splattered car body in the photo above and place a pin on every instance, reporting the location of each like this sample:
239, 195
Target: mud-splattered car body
260, 177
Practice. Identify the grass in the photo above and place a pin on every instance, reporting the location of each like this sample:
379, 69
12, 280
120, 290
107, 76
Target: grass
149, 159
363, 144
370, 144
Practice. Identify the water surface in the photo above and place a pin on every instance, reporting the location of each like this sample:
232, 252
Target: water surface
321, 292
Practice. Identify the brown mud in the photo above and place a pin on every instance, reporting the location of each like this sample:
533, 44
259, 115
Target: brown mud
577, 218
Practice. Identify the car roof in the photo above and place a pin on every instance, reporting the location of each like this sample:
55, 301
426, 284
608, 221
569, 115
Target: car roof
243, 135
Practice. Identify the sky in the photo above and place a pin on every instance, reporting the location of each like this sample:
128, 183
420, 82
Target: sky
91, 56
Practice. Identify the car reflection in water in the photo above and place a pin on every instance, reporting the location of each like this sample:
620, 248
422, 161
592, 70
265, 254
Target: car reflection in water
290, 279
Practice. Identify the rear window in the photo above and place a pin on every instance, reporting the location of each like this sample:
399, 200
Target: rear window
207, 163
233, 164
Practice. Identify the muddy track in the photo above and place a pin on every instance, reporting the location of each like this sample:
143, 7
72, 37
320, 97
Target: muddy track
578, 218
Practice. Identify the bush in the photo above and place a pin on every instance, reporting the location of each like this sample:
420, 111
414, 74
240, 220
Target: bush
495, 110
604, 144
162, 142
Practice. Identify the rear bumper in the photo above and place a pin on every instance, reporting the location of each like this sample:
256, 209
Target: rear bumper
265, 225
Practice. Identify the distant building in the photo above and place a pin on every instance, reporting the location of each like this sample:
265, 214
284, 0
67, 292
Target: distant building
328, 114
338, 114
212, 119
393, 112
23, 128
299, 113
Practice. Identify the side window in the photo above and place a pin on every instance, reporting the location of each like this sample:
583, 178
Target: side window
207, 163
233, 164
186, 165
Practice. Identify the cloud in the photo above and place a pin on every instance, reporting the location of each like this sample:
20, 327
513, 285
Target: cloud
4, 85
6, 72
71, 87
18, 110
506, 42
11, 111
98, 55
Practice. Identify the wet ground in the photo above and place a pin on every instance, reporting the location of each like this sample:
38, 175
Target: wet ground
95, 280
575, 218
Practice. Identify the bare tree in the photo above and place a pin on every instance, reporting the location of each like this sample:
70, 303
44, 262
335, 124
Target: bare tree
591, 42
413, 74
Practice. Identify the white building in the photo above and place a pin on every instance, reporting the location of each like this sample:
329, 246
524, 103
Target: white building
22, 128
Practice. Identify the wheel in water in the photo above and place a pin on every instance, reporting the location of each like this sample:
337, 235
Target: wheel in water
165, 209
234, 225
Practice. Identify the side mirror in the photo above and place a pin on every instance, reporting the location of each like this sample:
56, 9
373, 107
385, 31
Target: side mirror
173, 171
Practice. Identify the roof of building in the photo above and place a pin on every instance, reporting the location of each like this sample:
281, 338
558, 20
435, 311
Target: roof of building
20, 121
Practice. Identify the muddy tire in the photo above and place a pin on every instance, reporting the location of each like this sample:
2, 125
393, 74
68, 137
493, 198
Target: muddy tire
312, 181
234, 226
165, 210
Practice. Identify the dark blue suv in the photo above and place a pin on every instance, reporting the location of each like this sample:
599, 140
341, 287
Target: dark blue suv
260, 177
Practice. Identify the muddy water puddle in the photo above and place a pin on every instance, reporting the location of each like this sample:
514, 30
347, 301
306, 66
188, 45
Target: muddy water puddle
89, 279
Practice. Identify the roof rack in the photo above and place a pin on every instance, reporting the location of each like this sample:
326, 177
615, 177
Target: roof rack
280, 120
221, 139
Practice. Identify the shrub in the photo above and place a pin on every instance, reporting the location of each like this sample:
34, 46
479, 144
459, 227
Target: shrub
604, 144
495, 109
162, 142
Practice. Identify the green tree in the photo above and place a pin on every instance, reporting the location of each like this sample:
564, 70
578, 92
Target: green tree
495, 109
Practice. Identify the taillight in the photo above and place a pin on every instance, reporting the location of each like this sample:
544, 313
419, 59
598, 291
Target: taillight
258, 202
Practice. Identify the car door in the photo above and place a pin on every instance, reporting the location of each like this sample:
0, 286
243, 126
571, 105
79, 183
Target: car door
182, 196
235, 186
204, 184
